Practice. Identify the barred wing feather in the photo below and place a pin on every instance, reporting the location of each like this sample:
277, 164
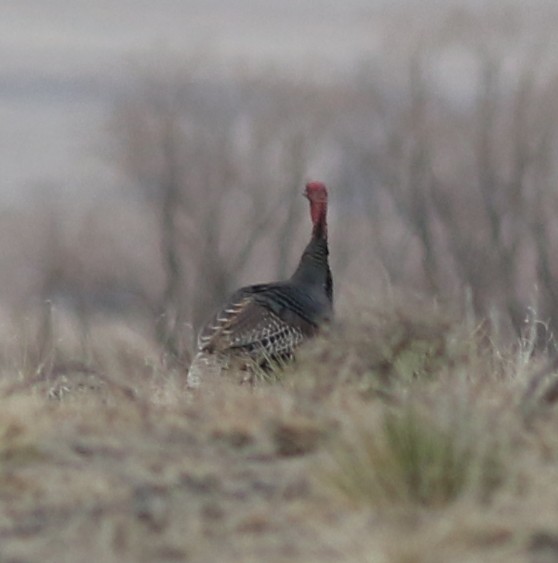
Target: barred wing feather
256, 322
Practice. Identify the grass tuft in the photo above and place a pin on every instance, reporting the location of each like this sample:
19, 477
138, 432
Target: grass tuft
414, 457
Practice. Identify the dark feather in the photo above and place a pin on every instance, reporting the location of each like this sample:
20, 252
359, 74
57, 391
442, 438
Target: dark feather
270, 319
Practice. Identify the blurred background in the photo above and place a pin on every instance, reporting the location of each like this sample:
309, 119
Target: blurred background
153, 156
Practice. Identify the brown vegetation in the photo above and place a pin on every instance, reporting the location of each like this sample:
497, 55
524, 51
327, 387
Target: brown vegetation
428, 445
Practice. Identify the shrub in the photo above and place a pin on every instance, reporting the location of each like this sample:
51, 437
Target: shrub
414, 457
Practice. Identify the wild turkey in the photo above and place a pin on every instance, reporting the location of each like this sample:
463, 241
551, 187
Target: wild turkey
262, 324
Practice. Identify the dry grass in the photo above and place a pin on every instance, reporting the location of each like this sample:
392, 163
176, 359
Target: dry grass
400, 436
417, 458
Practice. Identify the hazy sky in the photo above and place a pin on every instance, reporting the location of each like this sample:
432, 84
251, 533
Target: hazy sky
52, 52
51, 124
59, 32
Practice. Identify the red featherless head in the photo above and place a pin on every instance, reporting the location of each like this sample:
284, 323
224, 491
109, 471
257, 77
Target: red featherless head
316, 193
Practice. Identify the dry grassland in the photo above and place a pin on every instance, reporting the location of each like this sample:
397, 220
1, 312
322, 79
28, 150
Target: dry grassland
403, 435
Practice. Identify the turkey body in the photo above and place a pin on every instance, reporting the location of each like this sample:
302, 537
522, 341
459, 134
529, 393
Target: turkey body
263, 324
270, 320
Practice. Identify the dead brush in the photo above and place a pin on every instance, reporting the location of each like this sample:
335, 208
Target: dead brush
382, 349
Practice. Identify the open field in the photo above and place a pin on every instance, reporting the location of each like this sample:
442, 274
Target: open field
402, 436
152, 159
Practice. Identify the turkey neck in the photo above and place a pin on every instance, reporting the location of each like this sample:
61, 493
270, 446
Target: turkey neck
318, 213
313, 268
